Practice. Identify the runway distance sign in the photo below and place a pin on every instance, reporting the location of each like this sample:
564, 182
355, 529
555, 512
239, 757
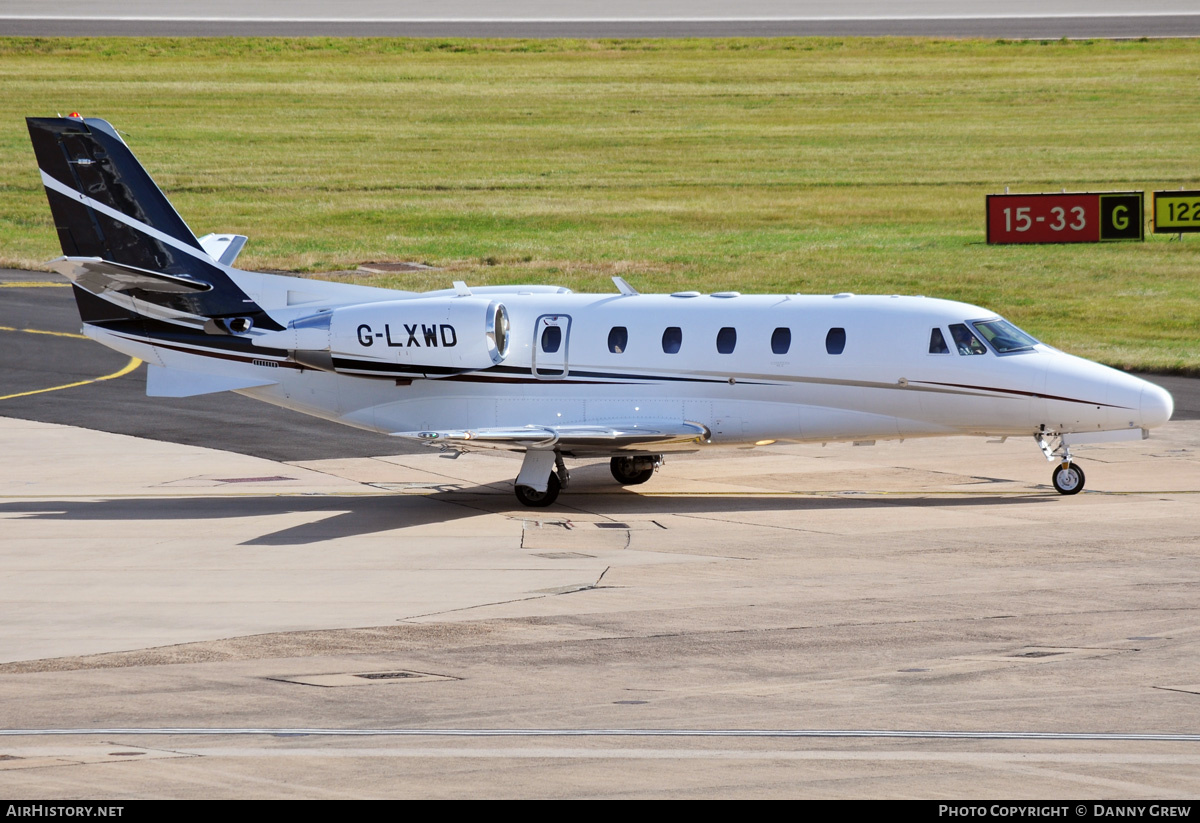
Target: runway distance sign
1066, 217
1176, 211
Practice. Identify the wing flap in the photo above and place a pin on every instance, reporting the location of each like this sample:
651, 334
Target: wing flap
609, 437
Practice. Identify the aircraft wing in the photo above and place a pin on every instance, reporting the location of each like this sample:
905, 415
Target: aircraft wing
573, 439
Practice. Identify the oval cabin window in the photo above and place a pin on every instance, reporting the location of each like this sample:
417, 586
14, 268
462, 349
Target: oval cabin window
726, 340
835, 341
781, 340
672, 340
618, 339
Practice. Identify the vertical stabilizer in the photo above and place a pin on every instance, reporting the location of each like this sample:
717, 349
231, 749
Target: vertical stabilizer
104, 203
106, 206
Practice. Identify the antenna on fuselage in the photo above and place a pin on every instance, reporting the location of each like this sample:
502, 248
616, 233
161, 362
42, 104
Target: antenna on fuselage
623, 287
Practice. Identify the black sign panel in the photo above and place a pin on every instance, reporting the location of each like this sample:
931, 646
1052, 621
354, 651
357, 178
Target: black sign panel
1121, 217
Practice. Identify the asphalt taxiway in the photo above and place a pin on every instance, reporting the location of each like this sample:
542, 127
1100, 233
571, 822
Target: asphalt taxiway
919, 619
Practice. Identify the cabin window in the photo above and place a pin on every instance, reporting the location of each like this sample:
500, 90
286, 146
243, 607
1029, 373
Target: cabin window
1004, 336
965, 341
618, 339
835, 341
937, 343
551, 339
672, 340
726, 340
781, 340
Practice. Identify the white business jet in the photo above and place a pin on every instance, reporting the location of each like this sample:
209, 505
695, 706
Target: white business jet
552, 374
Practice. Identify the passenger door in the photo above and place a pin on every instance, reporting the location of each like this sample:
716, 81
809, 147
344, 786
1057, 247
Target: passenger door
551, 343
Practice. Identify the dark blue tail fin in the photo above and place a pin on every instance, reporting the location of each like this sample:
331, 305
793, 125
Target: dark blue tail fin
106, 206
104, 203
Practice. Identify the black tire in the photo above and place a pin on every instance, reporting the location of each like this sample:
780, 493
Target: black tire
536, 499
1068, 478
626, 472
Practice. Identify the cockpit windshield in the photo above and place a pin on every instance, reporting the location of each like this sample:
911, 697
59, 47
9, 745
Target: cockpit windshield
1004, 336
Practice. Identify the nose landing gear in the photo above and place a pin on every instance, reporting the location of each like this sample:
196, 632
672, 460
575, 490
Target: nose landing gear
1068, 478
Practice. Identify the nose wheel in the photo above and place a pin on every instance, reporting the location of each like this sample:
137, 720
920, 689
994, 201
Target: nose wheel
1068, 478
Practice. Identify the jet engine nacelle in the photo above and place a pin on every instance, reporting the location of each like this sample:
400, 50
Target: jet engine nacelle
416, 337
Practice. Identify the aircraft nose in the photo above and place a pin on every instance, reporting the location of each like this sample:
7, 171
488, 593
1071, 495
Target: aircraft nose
1157, 406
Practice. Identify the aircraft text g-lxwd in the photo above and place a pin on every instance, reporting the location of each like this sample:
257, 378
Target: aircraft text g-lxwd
546, 372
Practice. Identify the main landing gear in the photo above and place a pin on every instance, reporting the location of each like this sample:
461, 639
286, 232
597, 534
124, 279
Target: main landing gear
633, 471
1068, 478
529, 496
543, 474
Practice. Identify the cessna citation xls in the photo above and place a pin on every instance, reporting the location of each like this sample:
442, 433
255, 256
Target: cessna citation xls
539, 370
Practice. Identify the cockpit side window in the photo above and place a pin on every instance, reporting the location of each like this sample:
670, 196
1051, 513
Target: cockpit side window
1004, 336
937, 342
965, 341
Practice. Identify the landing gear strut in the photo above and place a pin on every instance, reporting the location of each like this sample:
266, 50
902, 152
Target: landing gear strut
1068, 478
633, 471
538, 484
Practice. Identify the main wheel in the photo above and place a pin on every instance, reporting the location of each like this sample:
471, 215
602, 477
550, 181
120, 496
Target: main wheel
537, 499
1068, 479
631, 471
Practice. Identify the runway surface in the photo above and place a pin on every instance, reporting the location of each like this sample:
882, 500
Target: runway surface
1024, 19
909, 620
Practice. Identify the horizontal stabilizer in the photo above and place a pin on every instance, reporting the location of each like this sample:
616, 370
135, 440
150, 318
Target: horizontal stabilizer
100, 276
601, 439
223, 248
166, 382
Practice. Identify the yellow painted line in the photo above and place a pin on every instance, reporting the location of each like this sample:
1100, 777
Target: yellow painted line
39, 331
130, 366
34, 284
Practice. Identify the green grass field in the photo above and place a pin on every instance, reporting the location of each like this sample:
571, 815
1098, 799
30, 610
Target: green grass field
781, 165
